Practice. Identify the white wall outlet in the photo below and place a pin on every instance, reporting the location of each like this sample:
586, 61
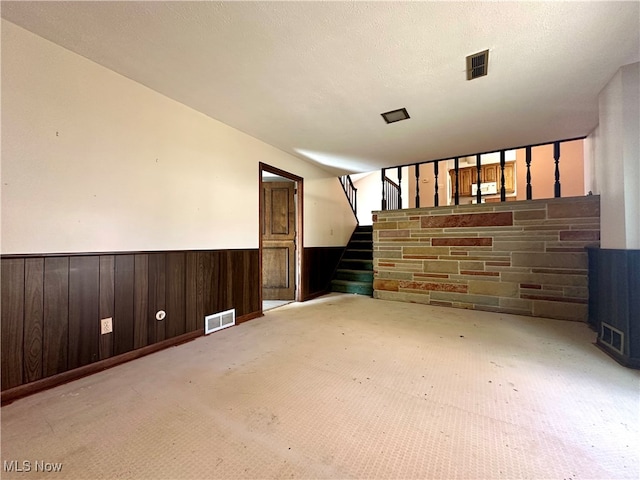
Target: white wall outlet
106, 325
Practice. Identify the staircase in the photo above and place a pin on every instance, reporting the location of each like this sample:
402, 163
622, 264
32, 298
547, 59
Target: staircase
355, 271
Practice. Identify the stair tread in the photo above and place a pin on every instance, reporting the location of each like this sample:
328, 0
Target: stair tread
355, 271
350, 282
359, 260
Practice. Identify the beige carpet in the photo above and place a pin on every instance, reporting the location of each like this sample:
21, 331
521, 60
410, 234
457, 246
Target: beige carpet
346, 387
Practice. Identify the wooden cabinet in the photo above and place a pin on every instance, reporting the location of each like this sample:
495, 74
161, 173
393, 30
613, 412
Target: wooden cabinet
465, 179
488, 173
510, 177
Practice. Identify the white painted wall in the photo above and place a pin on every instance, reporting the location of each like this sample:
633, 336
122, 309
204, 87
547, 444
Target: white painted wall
369, 196
617, 159
631, 152
92, 161
590, 178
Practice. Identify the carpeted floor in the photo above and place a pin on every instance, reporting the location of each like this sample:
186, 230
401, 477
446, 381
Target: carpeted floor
346, 387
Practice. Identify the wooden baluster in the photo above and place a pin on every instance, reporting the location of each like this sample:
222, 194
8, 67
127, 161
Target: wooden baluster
457, 168
384, 198
528, 160
503, 190
399, 188
417, 185
478, 168
436, 200
556, 157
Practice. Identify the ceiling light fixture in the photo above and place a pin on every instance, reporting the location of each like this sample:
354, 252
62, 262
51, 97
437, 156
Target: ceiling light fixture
395, 115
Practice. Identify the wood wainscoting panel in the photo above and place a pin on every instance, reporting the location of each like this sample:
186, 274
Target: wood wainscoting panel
320, 264
55, 344
244, 281
52, 306
12, 321
214, 278
157, 296
230, 279
141, 300
107, 276
194, 307
33, 318
124, 310
84, 303
175, 294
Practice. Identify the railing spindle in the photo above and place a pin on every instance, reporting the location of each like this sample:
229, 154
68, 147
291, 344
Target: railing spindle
392, 193
479, 180
436, 200
457, 168
503, 190
399, 188
528, 160
384, 196
556, 157
417, 185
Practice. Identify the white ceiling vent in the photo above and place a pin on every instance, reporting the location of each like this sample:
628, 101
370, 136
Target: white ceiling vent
218, 321
477, 65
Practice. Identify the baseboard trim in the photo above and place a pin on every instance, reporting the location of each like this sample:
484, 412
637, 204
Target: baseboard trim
15, 393
249, 316
623, 360
311, 296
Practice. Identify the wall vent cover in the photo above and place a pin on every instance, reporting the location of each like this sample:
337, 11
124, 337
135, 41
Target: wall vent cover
218, 321
477, 65
612, 337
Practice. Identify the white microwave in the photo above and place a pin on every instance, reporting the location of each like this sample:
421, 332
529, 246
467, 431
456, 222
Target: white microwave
489, 188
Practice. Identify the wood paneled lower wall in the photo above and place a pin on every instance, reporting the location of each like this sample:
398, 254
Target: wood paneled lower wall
320, 264
614, 299
52, 304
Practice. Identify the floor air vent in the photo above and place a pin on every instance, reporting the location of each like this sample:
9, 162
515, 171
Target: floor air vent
477, 65
218, 321
612, 337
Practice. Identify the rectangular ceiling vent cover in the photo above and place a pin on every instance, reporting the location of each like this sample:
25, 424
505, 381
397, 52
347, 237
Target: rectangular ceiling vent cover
218, 321
395, 115
477, 65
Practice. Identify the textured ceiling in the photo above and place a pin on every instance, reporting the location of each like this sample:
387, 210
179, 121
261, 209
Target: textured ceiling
312, 78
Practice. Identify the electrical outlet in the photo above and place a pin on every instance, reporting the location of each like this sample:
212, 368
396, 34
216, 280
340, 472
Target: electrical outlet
106, 326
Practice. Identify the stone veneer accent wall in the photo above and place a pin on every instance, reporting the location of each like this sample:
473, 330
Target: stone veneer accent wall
524, 257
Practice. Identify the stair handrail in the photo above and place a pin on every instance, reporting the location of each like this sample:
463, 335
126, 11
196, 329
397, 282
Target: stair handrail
351, 192
390, 194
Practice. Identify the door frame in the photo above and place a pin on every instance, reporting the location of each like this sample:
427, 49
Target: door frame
299, 201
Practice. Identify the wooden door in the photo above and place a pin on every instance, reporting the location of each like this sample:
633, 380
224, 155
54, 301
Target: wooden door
278, 241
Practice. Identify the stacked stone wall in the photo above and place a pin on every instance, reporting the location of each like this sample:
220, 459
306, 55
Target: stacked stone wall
524, 257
